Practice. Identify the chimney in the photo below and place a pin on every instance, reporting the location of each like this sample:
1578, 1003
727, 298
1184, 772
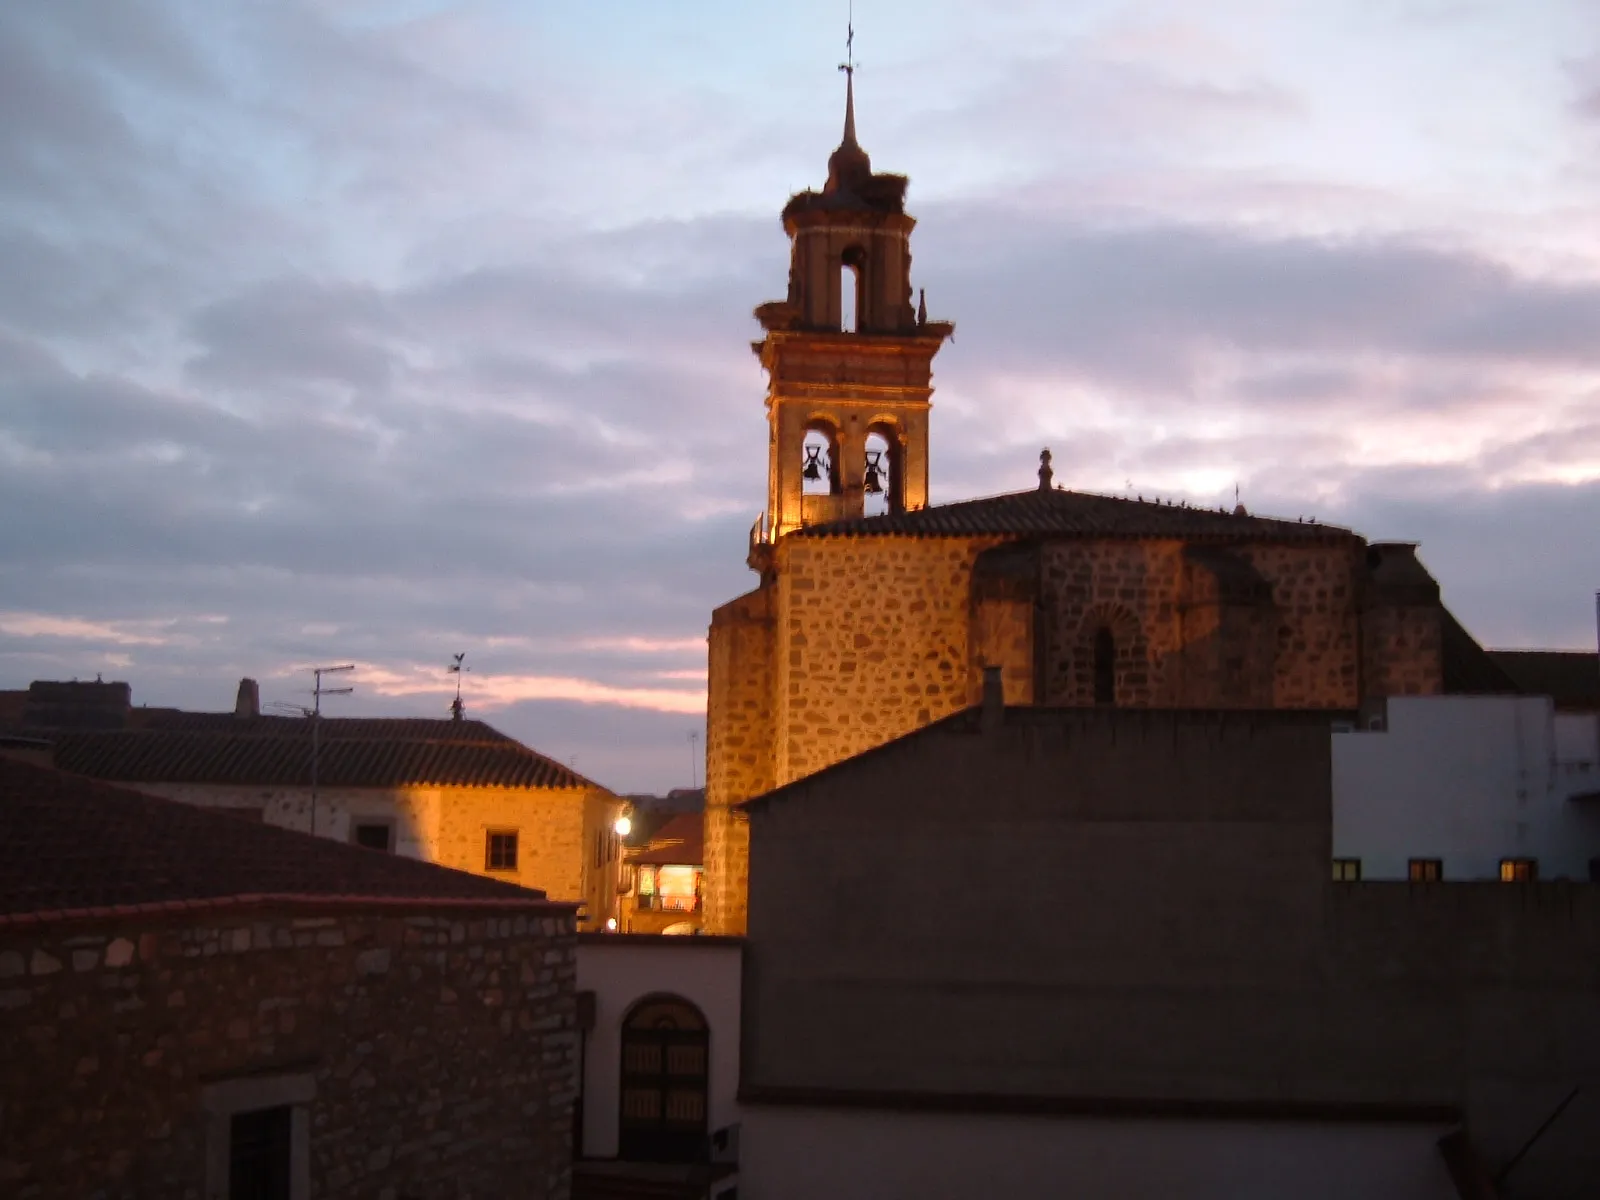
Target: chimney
249, 702
994, 699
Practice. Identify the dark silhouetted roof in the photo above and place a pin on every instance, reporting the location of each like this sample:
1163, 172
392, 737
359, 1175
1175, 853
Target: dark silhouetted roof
69, 844
1467, 669
276, 751
1060, 513
1570, 677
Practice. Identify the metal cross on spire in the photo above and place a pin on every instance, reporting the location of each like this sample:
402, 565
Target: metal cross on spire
849, 65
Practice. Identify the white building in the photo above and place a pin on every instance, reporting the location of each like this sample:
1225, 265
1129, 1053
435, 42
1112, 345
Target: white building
1468, 783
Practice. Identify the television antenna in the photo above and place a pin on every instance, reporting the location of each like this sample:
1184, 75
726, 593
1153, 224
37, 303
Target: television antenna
317, 693
694, 759
458, 669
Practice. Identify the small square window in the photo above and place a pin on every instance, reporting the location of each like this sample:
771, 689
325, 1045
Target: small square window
501, 850
1519, 870
1425, 870
1346, 870
374, 836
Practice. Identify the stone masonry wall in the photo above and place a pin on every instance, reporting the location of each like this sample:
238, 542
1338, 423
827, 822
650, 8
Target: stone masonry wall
873, 641
446, 825
1181, 644
740, 754
1400, 647
443, 1048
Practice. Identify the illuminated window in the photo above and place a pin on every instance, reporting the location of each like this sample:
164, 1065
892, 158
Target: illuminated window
647, 881
1346, 870
1425, 870
501, 850
1519, 870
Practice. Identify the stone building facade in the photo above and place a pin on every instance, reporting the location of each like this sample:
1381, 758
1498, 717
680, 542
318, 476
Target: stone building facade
189, 999
877, 613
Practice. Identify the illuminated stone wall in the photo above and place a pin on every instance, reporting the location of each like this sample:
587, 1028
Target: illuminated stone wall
740, 757
872, 640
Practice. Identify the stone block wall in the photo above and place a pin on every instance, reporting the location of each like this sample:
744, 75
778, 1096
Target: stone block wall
740, 750
873, 641
1257, 626
441, 1045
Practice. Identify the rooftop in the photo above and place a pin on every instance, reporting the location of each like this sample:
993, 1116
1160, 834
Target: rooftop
74, 847
276, 751
1569, 677
1057, 512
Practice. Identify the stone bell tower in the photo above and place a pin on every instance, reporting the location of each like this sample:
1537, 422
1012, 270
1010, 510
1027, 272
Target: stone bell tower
849, 358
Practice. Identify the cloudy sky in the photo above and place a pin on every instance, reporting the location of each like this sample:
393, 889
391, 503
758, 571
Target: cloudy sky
375, 331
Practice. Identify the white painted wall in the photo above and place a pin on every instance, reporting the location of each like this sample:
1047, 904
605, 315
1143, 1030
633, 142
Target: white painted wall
1470, 780
622, 970
802, 1154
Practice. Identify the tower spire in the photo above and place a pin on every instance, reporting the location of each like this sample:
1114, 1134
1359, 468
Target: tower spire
848, 164
848, 66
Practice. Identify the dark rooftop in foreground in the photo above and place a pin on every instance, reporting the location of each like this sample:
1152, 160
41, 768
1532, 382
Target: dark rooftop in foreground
68, 845
1570, 677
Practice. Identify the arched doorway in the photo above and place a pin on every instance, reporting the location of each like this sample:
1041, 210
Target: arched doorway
665, 1060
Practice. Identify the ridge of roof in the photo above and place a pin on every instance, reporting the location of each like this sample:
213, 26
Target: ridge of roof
971, 718
70, 845
248, 753
1063, 513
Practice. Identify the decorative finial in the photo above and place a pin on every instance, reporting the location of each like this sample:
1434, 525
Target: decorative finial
1238, 504
1046, 475
922, 306
849, 166
848, 66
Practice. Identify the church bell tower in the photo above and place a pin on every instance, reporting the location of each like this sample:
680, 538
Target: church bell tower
849, 358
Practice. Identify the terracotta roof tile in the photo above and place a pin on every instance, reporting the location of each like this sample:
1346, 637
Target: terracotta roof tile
681, 841
352, 752
1060, 513
69, 844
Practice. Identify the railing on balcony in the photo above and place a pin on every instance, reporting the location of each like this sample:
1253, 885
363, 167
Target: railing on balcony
659, 903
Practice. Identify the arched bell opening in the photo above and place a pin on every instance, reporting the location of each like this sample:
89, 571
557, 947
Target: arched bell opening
882, 480
819, 460
852, 289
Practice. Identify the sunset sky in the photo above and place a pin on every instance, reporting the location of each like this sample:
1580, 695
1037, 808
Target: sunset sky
374, 332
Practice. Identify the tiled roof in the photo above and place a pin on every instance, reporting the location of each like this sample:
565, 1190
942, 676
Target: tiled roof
680, 841
1060, 513
276, 751
68, 844
353, 728
1570, 677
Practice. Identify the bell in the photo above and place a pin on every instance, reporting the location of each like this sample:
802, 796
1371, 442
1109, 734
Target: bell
813, 468
874, 478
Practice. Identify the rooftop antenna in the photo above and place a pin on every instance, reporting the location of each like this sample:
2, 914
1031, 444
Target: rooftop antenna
457, 668
318, 692
694, 759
